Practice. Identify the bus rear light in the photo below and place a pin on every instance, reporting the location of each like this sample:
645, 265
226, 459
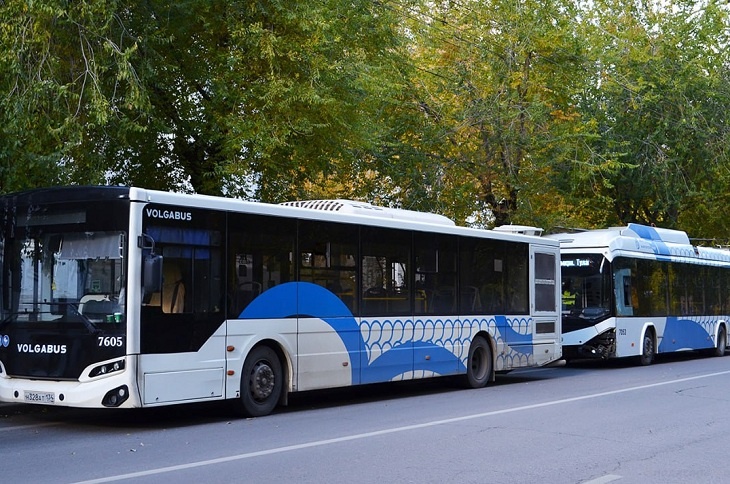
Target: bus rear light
106, 368
116, 397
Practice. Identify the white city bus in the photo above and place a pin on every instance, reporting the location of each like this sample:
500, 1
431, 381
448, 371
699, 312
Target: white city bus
639, 291
124, 297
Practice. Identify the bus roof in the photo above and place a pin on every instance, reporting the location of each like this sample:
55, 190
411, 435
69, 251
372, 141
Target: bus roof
636, 240
344, 211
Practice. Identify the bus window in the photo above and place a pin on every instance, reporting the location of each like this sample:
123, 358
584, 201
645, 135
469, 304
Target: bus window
498, 272
171, 298
624, 298
261, 250
516, 262
385, 271
545, 275
435, 274
327, 257
189, 306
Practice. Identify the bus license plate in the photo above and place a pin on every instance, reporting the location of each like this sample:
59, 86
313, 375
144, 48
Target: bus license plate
40, 397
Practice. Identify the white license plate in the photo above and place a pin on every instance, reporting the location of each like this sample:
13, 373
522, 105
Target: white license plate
40, 397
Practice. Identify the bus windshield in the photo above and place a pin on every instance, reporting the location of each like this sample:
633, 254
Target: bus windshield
65, 277
586, 290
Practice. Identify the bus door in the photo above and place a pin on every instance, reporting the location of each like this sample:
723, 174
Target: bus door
545, 303
181, 326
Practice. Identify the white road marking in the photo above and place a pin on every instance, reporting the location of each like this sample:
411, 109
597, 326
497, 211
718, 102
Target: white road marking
604, 479
29, 426
405, 428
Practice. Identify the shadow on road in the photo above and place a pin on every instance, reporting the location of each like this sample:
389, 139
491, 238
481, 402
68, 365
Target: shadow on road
202, 413
210, 412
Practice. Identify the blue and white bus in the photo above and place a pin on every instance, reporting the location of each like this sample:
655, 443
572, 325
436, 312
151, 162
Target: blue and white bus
125, 297
639, 291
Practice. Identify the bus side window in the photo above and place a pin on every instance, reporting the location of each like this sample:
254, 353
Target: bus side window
172, 297
624, 305
261, 250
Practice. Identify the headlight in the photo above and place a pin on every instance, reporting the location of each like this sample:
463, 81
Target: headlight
106, 368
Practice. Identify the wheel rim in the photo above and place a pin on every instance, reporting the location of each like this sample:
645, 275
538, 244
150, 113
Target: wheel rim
262, 381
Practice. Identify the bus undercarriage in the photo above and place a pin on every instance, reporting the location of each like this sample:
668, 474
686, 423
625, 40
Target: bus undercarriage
601, 347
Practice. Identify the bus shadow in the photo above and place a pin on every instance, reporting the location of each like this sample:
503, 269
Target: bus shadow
322, 399
660, 359
360, 394
193, 414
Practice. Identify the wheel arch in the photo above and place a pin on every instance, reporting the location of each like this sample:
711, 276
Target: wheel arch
648, 327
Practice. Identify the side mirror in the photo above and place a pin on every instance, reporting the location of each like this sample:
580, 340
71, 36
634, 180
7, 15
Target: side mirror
152, 274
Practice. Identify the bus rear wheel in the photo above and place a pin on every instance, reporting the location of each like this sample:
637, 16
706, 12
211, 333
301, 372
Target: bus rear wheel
721, 342
479, 363
262, 381
648, 349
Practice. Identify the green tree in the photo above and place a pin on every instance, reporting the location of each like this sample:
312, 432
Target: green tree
59, 63
659, 100
496, 85
215, 97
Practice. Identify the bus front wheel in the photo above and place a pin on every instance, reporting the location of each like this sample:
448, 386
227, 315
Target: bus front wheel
479, 364
648, 349
261, 382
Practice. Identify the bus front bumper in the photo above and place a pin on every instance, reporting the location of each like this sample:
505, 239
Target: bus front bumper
111, 392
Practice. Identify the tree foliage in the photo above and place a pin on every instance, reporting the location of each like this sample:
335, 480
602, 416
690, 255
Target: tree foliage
659, 100
207, 96
64, 73
496, 89
553, 113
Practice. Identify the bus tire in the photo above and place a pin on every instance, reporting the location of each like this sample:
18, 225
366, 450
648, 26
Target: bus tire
648, 348
721, 342
262, 381
479, 363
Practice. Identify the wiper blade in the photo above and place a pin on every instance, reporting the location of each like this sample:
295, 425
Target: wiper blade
7, 320
93, 329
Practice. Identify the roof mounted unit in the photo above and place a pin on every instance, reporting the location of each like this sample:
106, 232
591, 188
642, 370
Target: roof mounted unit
353, 207
519, 229
656, 234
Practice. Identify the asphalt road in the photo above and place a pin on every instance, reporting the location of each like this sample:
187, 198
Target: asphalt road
585, 423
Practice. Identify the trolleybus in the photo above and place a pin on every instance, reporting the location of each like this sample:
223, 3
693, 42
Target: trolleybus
125, 297
639, 291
